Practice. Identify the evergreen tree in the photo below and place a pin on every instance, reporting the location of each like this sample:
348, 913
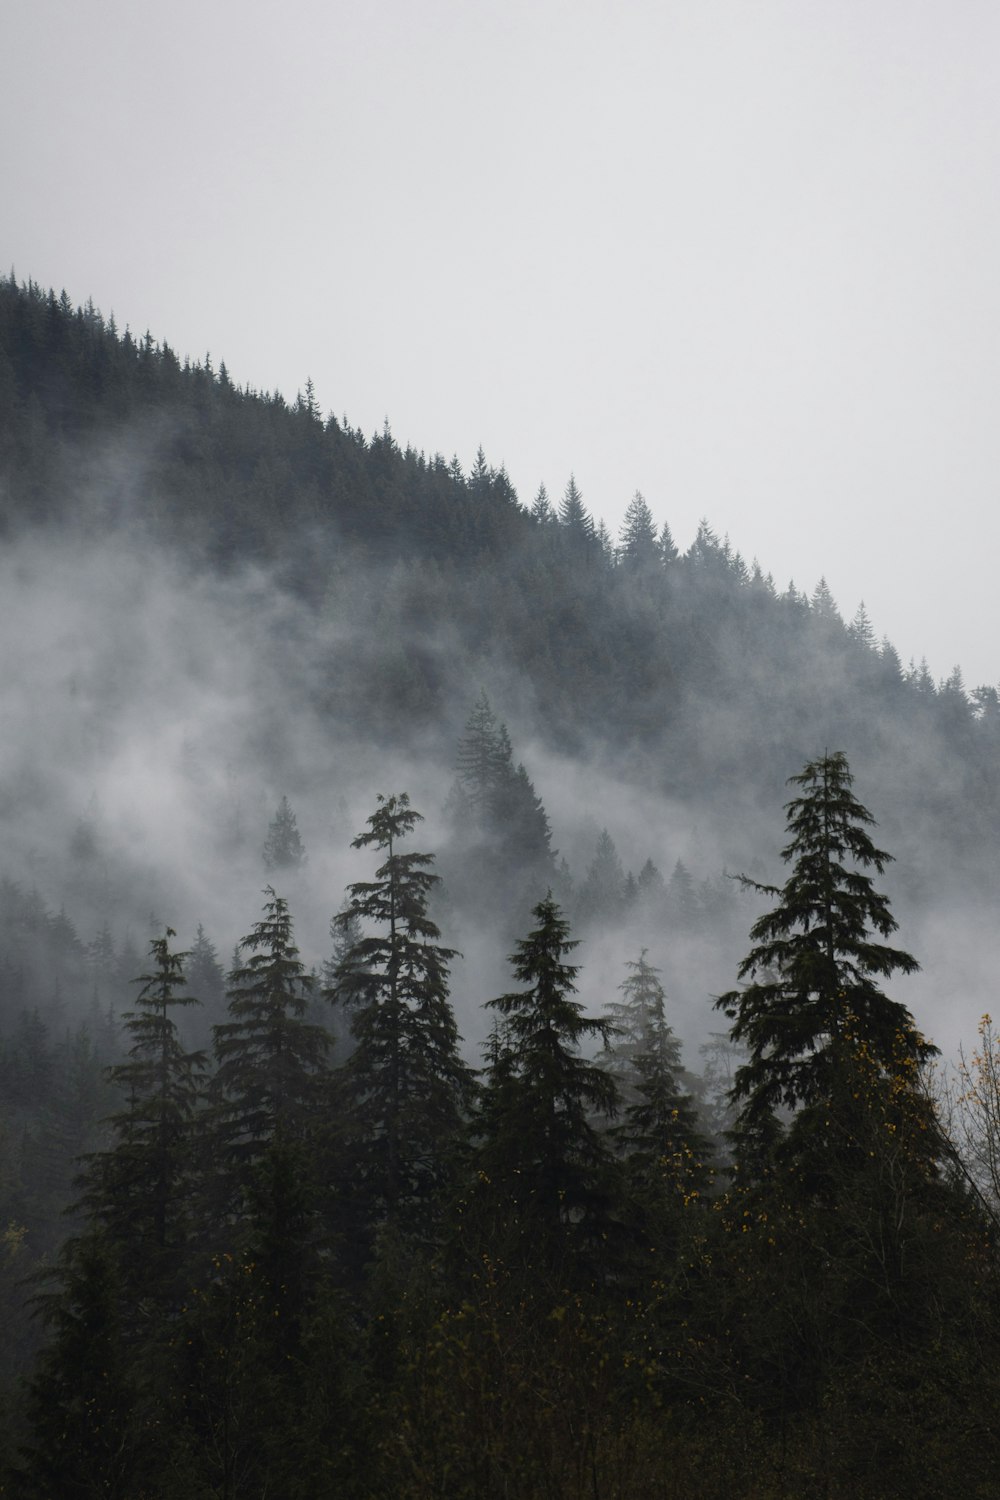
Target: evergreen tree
505, 852
94, 1428
406, 1090
573, 514
482, 763
658, 1132
861, 630
140, 1188
546, 1167
602, 894
283, 847
668, 547
207, 980
541, 508
813, 1017
824, 606
638, 547
269, 1058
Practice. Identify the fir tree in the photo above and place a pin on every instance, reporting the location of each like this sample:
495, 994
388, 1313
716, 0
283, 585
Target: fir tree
283, 847
139, 1188
269, 1058
406, 1089
638, 547
545, 1164
602, 894
813, 1017
573, 514
658, 1132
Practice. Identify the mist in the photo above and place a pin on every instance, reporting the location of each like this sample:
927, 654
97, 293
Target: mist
156, 713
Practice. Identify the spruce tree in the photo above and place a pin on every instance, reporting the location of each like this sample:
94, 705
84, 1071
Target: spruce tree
118, 1292
283, 847
602, 895
503, 857
270, 1060
658, 1132
545, 1165
139, 1188
406, 1089
638, 547
821, 1034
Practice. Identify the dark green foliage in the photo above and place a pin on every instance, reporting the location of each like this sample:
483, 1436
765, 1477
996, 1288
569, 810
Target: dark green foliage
545, 1166
83, 1402
139, 1189
819, 1030
406, 1090
270, 1060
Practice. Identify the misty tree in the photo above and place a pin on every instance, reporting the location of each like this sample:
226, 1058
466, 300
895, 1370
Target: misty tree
541, 508
342, 974
823, 604
545, 1167
405, 1087
602, 894
283, 847
118, 1279
682, 898
651, 888
504, 854
573, 514
861, 630
483, 762
269, 1058
140, 1188
824, 1041
207, 980
638, 547
658, 1132
668, 547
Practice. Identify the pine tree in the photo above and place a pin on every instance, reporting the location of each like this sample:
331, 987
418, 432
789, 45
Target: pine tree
658, 1132
573, 514
482, 763
541, 508
668, 547
545, 1165
207, 980
283, 847
406, 1090
602, 894
638, 547
269, 1058
140, 1188
507, 856
119, 1279
822, 1036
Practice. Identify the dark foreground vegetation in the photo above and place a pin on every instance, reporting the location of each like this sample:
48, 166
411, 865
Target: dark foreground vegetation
384, 1273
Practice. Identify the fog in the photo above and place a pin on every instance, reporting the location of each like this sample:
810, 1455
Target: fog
154, 716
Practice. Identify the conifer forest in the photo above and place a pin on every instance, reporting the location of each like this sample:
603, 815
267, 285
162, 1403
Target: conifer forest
489, 1010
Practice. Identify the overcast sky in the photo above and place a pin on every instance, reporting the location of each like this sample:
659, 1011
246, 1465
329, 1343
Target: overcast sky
741, 255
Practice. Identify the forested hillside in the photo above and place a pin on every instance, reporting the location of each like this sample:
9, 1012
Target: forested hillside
434, 1113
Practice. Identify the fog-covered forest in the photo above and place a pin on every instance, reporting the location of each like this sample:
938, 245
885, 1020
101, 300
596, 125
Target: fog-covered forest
460, 1033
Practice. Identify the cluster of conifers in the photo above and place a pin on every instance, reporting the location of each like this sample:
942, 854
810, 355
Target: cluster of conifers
396, 1276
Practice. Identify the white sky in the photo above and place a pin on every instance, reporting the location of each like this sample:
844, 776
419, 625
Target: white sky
742, 255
